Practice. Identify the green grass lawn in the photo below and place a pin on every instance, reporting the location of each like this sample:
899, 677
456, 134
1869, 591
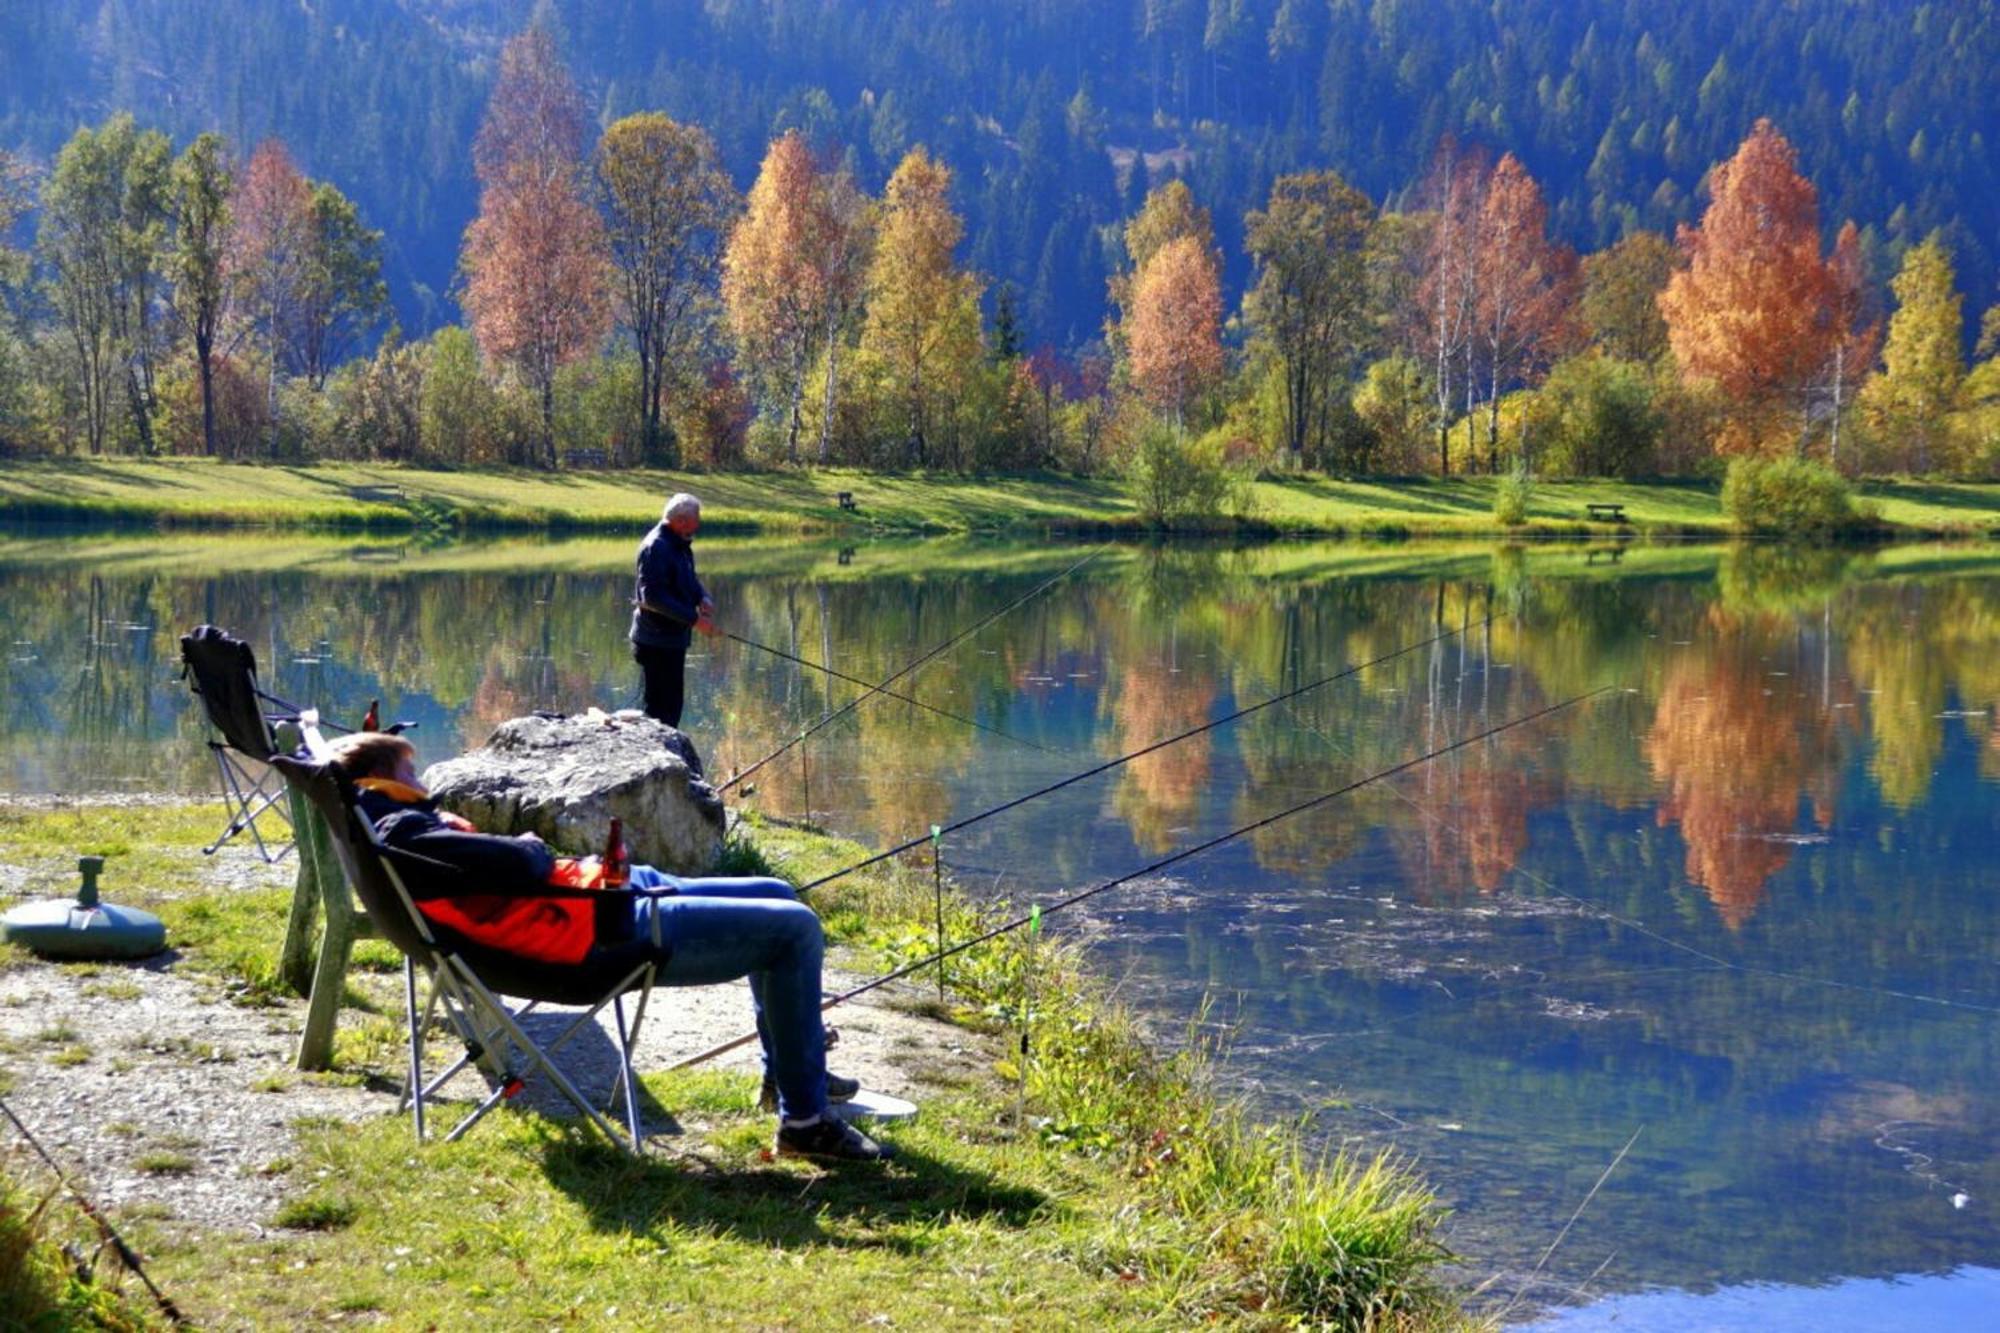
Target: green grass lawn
1127, 1195
378, 497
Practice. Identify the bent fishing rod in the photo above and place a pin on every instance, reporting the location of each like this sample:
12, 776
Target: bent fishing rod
874, 690
1165, 861
1140, 753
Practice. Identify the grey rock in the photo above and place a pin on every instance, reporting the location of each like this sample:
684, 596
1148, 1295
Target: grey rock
564, 778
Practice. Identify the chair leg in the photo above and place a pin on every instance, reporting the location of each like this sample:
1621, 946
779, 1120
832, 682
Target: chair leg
624, 1085
416, 1087
535, 1056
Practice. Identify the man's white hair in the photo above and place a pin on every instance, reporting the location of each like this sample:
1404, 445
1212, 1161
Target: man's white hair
681, 503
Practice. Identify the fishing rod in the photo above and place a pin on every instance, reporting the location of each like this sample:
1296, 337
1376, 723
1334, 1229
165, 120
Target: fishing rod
1140, 753
887, 694
1165, 861
126, 1254
874, 690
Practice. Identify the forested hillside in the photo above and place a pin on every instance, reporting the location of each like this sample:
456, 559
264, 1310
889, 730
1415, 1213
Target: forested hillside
1617, 107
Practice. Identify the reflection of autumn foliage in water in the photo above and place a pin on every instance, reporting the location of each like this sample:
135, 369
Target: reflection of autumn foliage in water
1735, 755
1469, 823
1164, 789
531, 683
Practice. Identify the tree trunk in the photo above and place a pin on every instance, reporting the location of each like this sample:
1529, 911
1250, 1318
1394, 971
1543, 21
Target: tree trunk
549, 421
832, 372
204, 348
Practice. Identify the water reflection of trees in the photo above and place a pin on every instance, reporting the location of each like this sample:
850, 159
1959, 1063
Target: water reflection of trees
1105, 663
1741, 731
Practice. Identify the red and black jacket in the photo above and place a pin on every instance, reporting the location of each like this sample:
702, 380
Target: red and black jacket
501, 898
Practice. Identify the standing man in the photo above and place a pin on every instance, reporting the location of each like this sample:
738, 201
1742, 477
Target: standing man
668, 603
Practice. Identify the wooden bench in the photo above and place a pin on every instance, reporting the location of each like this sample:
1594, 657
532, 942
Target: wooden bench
587, 458
845, 499
1606, 513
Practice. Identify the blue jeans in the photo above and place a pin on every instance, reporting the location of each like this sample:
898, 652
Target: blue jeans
716, 930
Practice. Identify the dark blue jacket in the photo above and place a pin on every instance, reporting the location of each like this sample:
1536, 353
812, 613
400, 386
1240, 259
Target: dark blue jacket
666, 580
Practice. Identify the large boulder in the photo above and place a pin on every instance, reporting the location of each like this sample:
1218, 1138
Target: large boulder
563, 778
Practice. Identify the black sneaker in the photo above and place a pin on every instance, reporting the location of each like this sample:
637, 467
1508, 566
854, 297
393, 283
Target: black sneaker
838, 1089
831, 1139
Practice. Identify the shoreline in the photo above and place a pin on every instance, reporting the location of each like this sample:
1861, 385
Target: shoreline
382, 499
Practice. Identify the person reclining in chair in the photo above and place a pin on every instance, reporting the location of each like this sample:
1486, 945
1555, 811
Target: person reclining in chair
700, 932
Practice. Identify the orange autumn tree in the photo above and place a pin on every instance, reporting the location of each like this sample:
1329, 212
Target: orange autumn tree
536, 270
1526, 288
272, 210
1755, 311
1176, 351
771, 289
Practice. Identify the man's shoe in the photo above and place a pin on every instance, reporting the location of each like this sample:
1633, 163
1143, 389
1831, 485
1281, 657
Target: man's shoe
831, 1139
838, 1089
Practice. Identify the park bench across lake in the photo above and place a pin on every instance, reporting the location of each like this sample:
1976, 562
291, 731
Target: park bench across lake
1606, 513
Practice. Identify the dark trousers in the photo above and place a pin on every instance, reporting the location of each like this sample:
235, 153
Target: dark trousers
665, 670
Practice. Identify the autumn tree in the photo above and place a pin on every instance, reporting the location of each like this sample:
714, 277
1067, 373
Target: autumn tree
1176, 310
843, 240
272, 211
198, 264
534, 259
1447, 306
103, 222
770, 288
340, 293
1309, 304
1526, 287
1620, 305
1922, 360
1752, 310
668, 205
1168, 213
922, 325
1853, 341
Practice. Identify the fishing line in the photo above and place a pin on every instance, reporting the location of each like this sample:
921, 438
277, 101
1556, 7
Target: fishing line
126, 1254
1186, 853
873, 690
1140, 753
888, 694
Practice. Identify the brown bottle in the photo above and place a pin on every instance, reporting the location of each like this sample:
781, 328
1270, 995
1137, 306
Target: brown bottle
373, 722
617, 861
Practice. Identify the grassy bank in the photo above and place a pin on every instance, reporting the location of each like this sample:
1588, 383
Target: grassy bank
371, 498
1128, 1193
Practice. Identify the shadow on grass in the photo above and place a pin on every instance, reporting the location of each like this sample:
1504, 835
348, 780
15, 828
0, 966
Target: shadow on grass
1939, 494
856, 1205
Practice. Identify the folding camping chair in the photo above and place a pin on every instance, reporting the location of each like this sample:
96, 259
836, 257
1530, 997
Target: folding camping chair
222, 671
467, 980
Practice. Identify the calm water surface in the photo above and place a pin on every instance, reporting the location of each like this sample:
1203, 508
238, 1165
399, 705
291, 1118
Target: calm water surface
1741, 906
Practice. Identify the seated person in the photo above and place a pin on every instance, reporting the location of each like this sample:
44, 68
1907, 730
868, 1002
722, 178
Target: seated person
698, 932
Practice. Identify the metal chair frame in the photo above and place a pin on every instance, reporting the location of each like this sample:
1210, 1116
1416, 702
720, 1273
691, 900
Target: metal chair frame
247, 797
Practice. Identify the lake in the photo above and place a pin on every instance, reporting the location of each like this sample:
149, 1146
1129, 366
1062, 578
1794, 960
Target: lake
1736, 911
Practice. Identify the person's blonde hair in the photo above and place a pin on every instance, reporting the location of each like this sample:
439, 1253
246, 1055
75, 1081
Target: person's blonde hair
370, 754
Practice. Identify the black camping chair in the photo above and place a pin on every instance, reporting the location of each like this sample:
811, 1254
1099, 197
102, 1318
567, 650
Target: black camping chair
222, 671
468, 979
